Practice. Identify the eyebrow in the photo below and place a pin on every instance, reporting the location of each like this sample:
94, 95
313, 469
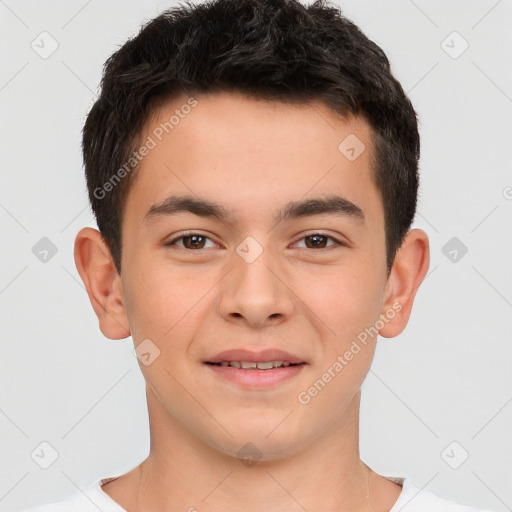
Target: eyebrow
332, 204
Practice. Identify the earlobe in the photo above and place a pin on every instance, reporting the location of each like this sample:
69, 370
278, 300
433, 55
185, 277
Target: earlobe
409, 269
102, 282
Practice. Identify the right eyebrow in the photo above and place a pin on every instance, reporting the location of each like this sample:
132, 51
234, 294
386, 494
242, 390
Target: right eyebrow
177, 204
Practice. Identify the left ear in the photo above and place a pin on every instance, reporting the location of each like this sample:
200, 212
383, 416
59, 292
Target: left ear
409, 269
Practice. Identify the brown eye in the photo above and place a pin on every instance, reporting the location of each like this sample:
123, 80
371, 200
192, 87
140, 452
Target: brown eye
316, 241
193, 241
319, 241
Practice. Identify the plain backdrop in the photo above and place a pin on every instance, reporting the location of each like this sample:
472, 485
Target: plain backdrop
437, 404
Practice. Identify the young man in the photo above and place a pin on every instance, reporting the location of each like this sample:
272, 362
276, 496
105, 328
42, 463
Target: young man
252, 166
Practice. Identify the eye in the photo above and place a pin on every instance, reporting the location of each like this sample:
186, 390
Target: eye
197, 241
193, 241
318, 241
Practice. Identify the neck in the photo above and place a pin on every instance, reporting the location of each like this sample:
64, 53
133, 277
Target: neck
328, 468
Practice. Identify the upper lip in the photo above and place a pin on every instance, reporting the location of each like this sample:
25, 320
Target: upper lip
270, 354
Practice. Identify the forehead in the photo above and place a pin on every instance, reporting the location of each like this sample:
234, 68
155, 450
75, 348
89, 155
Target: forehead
248, 154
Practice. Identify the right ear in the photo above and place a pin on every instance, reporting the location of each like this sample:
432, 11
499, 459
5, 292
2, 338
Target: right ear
102, 282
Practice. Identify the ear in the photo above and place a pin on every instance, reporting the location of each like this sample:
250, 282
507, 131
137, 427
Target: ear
409, 268
102, 282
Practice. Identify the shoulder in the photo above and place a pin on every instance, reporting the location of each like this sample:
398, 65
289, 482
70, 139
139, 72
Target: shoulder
89, 499
414, 499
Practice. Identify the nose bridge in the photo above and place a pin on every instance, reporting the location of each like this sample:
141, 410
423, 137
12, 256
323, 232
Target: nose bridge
256, 271
253, 288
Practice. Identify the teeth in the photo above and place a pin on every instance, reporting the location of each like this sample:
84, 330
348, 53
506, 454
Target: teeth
250, 365
265, 366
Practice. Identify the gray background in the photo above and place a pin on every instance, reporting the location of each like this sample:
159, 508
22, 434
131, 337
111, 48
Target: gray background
446, 379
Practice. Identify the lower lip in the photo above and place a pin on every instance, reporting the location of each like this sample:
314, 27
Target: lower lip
256, 378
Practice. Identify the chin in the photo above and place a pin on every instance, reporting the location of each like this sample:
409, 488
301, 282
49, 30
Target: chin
257, 442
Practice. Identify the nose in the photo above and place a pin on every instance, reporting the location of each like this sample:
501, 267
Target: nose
256, 293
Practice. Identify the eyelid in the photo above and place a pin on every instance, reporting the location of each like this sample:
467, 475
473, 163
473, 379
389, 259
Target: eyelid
338, 241
172, 241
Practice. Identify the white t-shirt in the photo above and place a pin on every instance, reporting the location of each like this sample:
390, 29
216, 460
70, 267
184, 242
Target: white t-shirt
411, 499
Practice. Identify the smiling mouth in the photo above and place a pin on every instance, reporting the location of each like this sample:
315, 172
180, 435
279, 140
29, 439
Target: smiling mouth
250, 365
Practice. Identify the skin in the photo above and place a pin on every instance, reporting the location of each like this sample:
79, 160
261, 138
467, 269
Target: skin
252, 157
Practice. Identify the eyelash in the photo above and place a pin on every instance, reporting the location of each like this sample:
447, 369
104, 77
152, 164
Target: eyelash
337, 243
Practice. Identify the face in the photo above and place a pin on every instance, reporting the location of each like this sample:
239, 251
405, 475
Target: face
277, 255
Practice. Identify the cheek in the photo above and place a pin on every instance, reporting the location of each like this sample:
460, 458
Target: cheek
344, 300
348, 306
164, 300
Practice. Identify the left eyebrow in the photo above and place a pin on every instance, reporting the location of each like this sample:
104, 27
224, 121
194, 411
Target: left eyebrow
334, 205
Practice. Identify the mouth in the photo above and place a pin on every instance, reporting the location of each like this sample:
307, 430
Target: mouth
262, 370
263, 360
258, 365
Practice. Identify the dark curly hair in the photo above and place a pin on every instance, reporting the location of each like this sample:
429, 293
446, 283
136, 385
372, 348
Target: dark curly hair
277, 50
